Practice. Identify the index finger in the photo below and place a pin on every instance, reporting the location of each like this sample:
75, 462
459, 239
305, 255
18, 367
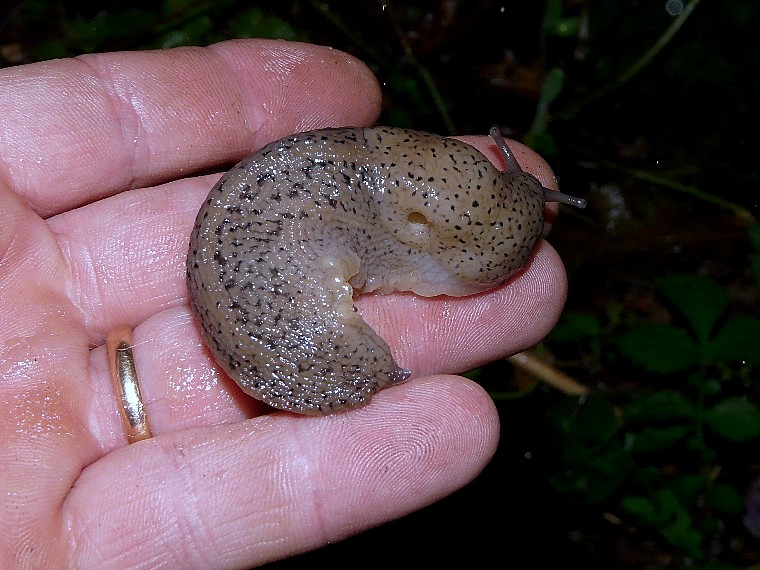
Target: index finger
88, 127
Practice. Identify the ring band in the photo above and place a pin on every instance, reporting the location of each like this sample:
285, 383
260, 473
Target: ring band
125, 383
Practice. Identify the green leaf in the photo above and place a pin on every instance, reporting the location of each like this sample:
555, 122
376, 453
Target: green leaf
552, 87
590, 420
668, 504
190, 34
90, 34
474, 374
567, 27
681, 534
726, 499
595, 462
736, 419
538, 137
594, 476
553, 13
687, 488
708, 386
542, 142
556, 24
737, 341
676, 524
699, 299
659, 348
664, 405
255, 23
640, 507
575, 327
651, 440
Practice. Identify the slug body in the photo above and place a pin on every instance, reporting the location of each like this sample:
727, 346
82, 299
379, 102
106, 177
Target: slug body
289, 235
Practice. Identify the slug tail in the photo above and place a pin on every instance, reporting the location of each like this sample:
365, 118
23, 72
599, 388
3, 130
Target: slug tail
399, 375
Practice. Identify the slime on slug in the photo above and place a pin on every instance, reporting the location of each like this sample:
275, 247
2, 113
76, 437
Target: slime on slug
289, 235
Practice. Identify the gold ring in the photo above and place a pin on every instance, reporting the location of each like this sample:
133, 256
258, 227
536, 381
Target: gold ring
124, 378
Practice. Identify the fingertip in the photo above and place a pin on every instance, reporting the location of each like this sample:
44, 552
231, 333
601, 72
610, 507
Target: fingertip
305, 86
455, 415
453, 334
280, 484
454, 404
412, 445
534, 163
134, 119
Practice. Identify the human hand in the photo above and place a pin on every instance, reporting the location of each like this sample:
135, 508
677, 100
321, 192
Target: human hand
99, 186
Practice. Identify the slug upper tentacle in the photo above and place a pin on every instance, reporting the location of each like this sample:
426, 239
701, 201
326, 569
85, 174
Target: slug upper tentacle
289, 235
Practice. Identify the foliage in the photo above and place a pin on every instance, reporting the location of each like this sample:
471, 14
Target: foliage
661, 457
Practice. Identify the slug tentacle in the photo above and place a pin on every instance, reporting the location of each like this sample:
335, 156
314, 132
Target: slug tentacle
513, 166
506, 153
289, 235
554, 196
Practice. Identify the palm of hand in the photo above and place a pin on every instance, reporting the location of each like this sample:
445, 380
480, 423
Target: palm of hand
95, 216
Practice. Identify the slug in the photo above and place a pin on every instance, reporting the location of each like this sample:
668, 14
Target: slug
289, 235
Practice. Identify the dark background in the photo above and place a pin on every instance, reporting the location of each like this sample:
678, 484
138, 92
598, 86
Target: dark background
655, 131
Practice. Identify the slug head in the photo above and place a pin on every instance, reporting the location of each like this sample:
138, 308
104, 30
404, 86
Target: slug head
443, 197
513, 166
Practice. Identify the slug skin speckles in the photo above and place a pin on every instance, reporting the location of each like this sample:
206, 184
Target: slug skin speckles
289, 234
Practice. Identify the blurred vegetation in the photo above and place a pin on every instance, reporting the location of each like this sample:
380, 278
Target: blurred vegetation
643, 108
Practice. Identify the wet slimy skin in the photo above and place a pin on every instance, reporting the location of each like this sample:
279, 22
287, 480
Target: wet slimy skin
289, 235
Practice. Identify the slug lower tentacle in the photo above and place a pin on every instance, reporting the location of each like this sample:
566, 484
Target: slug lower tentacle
289, 235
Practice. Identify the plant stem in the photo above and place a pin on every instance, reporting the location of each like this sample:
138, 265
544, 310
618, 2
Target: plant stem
670, 184
423, 72
529, 362
336, 22
638, 65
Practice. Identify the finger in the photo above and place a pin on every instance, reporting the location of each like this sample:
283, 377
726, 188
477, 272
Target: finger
181, 385
127, 253
245, 494
88, 127
184, 388
431, 335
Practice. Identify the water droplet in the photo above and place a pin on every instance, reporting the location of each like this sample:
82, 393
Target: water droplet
674, 7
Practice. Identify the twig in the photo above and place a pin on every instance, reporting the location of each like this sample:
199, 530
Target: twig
529, 362
423, 72
638, 65
667, 183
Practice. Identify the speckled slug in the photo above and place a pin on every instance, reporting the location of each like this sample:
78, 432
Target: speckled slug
291, 233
